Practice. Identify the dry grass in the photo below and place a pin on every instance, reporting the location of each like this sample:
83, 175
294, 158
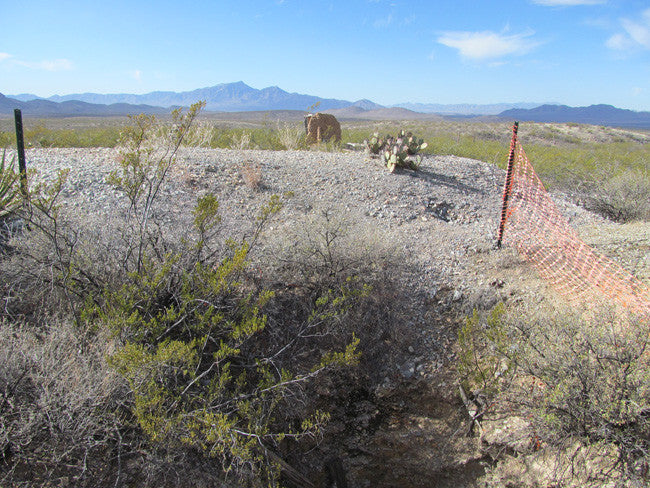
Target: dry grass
60, 405
291, 136
252, 174
241, 141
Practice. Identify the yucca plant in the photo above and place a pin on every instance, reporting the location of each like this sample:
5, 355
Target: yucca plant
9, 195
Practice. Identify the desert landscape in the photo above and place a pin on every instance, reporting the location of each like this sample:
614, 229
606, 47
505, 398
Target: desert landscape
210, 300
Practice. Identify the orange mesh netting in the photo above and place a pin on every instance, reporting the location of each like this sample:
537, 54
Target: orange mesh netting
533, 224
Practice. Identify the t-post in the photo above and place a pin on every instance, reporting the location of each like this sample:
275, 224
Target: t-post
20, 146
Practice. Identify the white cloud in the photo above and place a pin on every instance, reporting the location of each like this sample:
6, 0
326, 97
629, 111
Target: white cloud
47, 65
56, 65
382, 23
618, 42
568, 3
408, 20
137, 75
487, 45
4, 56
636, 34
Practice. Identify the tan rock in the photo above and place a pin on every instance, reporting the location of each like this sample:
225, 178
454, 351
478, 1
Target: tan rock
322, 127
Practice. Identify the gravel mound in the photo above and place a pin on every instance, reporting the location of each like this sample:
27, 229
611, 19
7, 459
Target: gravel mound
436, 217
438, 222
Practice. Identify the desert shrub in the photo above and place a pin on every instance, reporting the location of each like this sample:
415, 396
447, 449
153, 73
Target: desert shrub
327, 251
41, 136
7, 139
43, 265
199, 135
291, 136
203, 371
578, 380
241, 141
61, 420
481, 368
325, 255
207, 374
624, 197
247, 138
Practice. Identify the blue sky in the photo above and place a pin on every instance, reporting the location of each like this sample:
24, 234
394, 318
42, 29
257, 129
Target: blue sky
576, 52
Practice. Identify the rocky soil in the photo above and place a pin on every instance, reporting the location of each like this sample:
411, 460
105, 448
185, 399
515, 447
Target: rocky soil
439, 223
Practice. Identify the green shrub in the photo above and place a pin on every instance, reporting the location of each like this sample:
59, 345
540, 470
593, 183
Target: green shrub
480, 367
41, 136
209, 374
579, 381
7, 139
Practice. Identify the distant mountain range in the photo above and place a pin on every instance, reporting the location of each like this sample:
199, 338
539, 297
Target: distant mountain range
47, 108
226, 97
464, 108
594, 114
239, 97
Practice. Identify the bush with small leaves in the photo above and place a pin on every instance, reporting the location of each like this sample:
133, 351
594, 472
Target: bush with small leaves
207, 374
582, 381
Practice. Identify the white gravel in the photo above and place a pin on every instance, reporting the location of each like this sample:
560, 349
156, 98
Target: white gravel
437, 217
439, 221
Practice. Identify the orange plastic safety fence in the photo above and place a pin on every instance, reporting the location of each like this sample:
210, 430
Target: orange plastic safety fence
535, 226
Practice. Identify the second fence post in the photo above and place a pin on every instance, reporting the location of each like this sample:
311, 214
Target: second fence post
508, 184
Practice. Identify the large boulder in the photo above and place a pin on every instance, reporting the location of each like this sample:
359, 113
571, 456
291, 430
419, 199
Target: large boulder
322, 127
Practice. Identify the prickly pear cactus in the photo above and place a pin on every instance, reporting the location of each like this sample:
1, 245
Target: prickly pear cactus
413, 144
375, 145
395, 151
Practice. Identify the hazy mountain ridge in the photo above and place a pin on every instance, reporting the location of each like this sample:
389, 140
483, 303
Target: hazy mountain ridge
607, 115
355, 112
225, 97
465, 108
239, 97
69, 108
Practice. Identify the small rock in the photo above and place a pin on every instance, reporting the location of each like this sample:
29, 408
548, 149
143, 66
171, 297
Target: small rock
407, 370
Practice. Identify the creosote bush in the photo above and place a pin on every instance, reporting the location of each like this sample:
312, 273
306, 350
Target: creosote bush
581, 382
204, 373
623, 197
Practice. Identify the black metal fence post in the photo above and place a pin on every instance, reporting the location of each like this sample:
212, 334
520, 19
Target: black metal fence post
20, 146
